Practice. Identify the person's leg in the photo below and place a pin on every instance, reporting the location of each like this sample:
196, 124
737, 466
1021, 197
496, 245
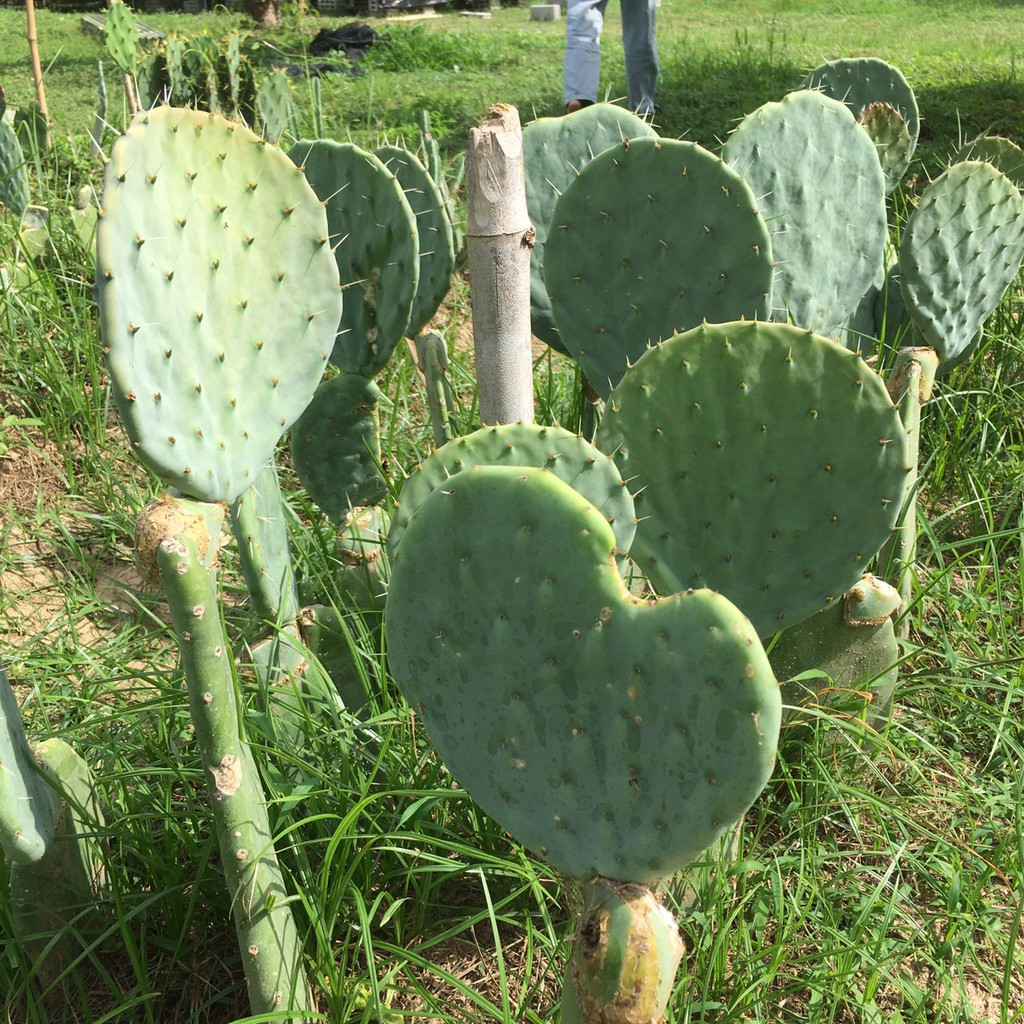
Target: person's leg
641, 52
582, 68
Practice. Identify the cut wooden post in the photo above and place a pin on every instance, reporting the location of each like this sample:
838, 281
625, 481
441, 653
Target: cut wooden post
499, 237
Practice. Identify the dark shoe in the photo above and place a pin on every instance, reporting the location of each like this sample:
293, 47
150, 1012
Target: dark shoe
573, 105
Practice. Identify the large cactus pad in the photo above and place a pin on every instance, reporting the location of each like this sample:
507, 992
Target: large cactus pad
612, 736
555, 150
653, 237
961, 249
218, 295
823, 195
769, 464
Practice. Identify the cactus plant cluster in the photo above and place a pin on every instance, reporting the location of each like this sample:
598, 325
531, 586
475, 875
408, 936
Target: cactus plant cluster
748, 468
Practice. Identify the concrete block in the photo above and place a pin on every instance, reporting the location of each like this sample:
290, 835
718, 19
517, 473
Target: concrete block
545, 12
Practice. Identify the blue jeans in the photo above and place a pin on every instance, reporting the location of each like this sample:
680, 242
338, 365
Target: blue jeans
583, 22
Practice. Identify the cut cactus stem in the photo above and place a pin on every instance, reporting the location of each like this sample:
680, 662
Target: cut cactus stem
626, 952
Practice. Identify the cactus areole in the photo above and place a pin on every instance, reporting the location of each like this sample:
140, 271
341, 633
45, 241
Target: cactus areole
218, 294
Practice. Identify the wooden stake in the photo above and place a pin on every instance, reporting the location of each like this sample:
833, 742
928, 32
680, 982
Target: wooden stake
499, 237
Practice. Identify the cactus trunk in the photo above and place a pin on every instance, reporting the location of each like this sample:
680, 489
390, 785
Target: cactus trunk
267, 935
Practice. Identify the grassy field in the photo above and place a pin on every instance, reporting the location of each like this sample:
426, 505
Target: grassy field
878, 878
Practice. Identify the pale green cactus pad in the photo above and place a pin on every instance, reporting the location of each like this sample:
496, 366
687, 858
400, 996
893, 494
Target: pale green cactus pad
821, 189
612, 736
768, 464
218, 295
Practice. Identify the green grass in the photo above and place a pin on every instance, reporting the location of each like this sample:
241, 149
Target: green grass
877, 879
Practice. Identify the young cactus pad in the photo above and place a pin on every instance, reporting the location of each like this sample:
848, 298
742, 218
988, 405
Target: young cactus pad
555, 150
961, 249
653, 237
373, 231
822, 192
572, 459
768, 463
218, 295
612, 736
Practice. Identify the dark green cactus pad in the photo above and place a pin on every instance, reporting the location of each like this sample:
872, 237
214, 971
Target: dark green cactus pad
860, 81
577, 462
336, 446
612, 736
433, 228
555, 150
1001, 153
373, 233
823, 195
218, 296
887, 129
14, 191
768, 464
151, 79
961, 249
653, 237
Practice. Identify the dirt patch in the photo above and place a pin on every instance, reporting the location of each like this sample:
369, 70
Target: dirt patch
29, 475
425, 996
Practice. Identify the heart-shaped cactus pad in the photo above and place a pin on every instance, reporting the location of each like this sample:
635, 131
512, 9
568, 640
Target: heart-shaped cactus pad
612, 736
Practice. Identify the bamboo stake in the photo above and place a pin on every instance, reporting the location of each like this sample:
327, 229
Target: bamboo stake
37, 69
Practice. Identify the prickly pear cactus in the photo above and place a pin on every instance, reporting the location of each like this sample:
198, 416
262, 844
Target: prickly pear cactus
823, 194
218, 294
768, 464
861, 81
1001, 153
612, 736
555, 150
887, 129
121, 36
376, 244
336, 446
960, 250
653, 237
433, 228
14, 192
569, 457
274, 106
